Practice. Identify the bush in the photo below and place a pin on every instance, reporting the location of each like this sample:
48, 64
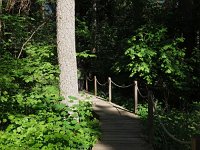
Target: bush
51, 130
179, 123
31, 113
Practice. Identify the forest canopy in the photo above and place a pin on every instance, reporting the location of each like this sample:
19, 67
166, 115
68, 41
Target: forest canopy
155, 42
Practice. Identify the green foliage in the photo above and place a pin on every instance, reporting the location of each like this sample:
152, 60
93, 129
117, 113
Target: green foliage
82, 29
51, 130
26, 82
194, 62
143, 111
31, 113
14, 27
29, 85
183, 125
154, 57
85, 54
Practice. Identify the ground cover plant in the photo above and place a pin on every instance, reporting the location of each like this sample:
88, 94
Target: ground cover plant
155, 42
31, 113
182, 125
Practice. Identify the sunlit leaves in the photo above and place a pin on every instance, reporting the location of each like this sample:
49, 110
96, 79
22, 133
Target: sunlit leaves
31, 112
154, 56
85, 54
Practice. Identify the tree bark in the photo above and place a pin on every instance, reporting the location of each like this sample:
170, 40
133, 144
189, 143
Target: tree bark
66, 48
94, 26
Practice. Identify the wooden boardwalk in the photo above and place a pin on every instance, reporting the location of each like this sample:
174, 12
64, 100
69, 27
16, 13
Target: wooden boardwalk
121, 130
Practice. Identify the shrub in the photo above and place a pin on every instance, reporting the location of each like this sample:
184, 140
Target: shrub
31, 113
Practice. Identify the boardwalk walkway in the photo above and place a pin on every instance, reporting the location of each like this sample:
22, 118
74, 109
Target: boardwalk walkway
121, 130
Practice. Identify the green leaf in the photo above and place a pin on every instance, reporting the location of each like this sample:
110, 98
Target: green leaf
59, 106
72, 98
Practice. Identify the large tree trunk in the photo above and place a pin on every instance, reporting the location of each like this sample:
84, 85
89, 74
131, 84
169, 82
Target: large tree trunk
66, 48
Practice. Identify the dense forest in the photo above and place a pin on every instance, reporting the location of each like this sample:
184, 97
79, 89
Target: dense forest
155, 42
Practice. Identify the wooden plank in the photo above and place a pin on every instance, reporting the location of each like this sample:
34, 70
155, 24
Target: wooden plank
124, 132
121, 130
102, 146
122, 135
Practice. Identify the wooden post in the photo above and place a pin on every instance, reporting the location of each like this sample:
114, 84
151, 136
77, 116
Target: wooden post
150, 116
86, 84
196, 142
110, 89
135, 96
95, 85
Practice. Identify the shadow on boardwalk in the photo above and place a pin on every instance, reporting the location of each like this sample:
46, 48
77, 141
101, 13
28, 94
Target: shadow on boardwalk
121, 130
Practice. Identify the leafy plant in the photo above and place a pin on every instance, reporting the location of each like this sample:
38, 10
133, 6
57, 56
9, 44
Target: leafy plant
85, 54
153, 57
180, 124
31, 113
51, 130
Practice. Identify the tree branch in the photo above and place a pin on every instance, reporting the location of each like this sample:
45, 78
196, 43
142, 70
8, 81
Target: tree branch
22, 48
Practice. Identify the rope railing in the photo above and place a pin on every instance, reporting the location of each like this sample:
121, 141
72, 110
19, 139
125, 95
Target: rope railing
110, 83
144, 97
86, 82
151, 98
121, 86
90, 79
171, 135
151, 108
102, 84
165, 129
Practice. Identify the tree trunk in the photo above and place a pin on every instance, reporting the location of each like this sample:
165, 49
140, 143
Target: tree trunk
66, 48
94, 27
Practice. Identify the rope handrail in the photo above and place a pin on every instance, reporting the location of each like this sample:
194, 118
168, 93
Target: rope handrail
90, 79
110, 82
171, 135
102, 84
151, 99
121, 86
166, 131
141, 93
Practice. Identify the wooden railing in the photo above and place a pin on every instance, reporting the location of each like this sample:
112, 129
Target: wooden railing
109, 83
195, 141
